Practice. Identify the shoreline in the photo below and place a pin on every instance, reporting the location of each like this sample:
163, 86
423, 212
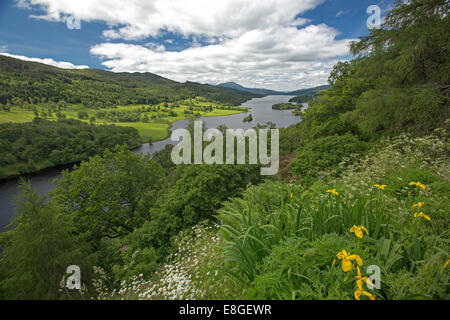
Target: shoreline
190, 118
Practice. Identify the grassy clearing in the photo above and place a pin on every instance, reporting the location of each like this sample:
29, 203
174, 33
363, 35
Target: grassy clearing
154, 130
149, 131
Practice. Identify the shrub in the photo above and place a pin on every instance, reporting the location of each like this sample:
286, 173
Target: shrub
325, 154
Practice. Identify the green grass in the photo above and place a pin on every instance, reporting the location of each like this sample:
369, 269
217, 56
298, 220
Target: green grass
16, 116
148, 131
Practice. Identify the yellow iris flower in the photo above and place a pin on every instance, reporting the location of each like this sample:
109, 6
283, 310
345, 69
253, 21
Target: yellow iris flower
359, 231
292, 195
418, 205
445, 265
359, 283
347, 264
361, 292
382, 187
333, 191
422, 215
366, 280
418, 184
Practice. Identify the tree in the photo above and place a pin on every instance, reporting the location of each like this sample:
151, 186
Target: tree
37, 251
111, 195
16, 101
61, 116
83, 115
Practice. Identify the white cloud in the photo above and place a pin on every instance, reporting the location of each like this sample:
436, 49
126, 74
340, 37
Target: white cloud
339, 13
51, 62
280, 58
138, 19
253, 42
23, 4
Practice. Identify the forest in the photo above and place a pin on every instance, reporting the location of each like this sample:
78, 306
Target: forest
364, 182
41, 144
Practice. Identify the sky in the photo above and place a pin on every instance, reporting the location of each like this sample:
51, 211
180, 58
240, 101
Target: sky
274, 44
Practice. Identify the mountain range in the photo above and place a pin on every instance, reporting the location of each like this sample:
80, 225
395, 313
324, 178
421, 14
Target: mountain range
34, 82
266, 92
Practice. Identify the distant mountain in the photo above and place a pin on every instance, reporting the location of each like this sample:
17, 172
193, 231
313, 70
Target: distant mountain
264, 92
303, 91
306, 95
267, 92
36, 82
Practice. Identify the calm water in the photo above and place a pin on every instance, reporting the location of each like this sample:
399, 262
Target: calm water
262, 112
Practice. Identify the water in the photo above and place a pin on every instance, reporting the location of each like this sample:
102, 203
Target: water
262, 112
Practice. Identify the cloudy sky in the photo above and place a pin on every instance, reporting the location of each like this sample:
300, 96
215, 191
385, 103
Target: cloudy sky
275, 44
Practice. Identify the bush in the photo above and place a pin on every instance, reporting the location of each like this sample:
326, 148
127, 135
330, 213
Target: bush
325, 154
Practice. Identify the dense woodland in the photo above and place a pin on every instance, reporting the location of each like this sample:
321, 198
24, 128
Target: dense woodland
366, 183
41, 144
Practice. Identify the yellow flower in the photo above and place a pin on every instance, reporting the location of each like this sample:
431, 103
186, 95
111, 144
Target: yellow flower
359, 231
362, 279
292, 195
418, 184
334, 263
423, 215
382, 187
347, 264
359, 292
333, 191
445, 265
418, 205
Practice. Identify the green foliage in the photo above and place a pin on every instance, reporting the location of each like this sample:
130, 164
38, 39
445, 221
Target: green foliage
110, 196
397, 83
301, 269
38, 250
267, 216
283, 106
280, 242
325, 154
417, 110
197, 192
42, 143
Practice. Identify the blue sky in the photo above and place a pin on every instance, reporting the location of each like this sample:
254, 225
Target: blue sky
278, 44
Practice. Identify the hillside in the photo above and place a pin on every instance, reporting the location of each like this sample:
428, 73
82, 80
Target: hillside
34, 82
265, 92
302, 95
309, 90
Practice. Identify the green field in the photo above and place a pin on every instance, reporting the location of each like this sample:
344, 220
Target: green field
152, 130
